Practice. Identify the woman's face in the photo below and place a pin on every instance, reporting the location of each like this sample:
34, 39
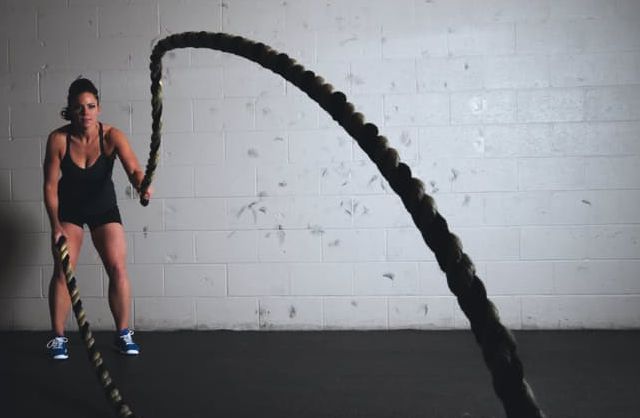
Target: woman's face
85, 110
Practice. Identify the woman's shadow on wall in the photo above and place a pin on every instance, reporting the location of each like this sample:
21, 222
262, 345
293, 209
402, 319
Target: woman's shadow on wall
12, 239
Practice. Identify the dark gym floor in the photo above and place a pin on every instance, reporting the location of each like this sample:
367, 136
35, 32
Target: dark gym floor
427, 374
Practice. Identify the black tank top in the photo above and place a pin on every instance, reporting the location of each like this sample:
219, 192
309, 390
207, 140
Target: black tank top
87, 191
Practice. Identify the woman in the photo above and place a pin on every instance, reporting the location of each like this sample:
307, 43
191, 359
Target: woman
78, 189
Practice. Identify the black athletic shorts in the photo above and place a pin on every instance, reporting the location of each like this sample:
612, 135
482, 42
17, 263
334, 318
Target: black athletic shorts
94, 221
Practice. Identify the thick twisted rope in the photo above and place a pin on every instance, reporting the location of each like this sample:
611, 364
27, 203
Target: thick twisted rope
497, 343
111, 391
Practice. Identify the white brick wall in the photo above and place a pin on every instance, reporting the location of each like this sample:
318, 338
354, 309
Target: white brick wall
521, 117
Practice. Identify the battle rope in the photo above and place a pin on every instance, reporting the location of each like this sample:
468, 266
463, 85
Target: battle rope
497, 343
110, 389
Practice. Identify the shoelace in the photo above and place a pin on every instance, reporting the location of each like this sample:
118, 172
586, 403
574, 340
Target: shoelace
127, 337
57, 342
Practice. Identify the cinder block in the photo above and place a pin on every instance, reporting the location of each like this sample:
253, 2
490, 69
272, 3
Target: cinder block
576, 312
282, 245
247, 16
256, 148
452, 141
117, 114
138, 218
31, 120
291, 179
19, 22
608, 138
519, 278
194, 214
432, 281
613, 103
233, 114
98, 314
227, 313
189, 15
613, 207
380, 211
163, 247
385, 279
596, 277
483, 175
123, 85
5, 185
538, 208
450, 74
192, 148
320, 146
335, 72
552, 173
355, 178
355, 313
383, 77
416, 109
461, 209
54, 86
354, 245
357, 43
164, 313
321, 279
411, 41
175, 182
177, 116
497, 106
524, 140
6, 314
255, 280
580, 10
89, 279
301, 313
68, 23
406, 244
23, 216
193, 83
554, 243
614, 242
33, 248
22, 282
226, 246
314, 214
19, 87
612, 172
195, 280
490, 243
421, 312
292, 112
128, 19
30, 314
109, 53
517, 72
26, 184
225, 180
146, 280
246, 79
482, 39
604, 69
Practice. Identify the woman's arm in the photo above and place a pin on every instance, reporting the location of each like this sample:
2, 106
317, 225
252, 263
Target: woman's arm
129, 160
51, 168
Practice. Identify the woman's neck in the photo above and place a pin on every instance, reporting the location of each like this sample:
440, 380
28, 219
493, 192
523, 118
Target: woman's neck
84, 133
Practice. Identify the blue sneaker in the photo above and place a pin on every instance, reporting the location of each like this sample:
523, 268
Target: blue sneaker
124, 343
58, 348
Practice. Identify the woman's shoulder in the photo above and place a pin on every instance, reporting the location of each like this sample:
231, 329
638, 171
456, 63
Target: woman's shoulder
59, 135
111, 133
